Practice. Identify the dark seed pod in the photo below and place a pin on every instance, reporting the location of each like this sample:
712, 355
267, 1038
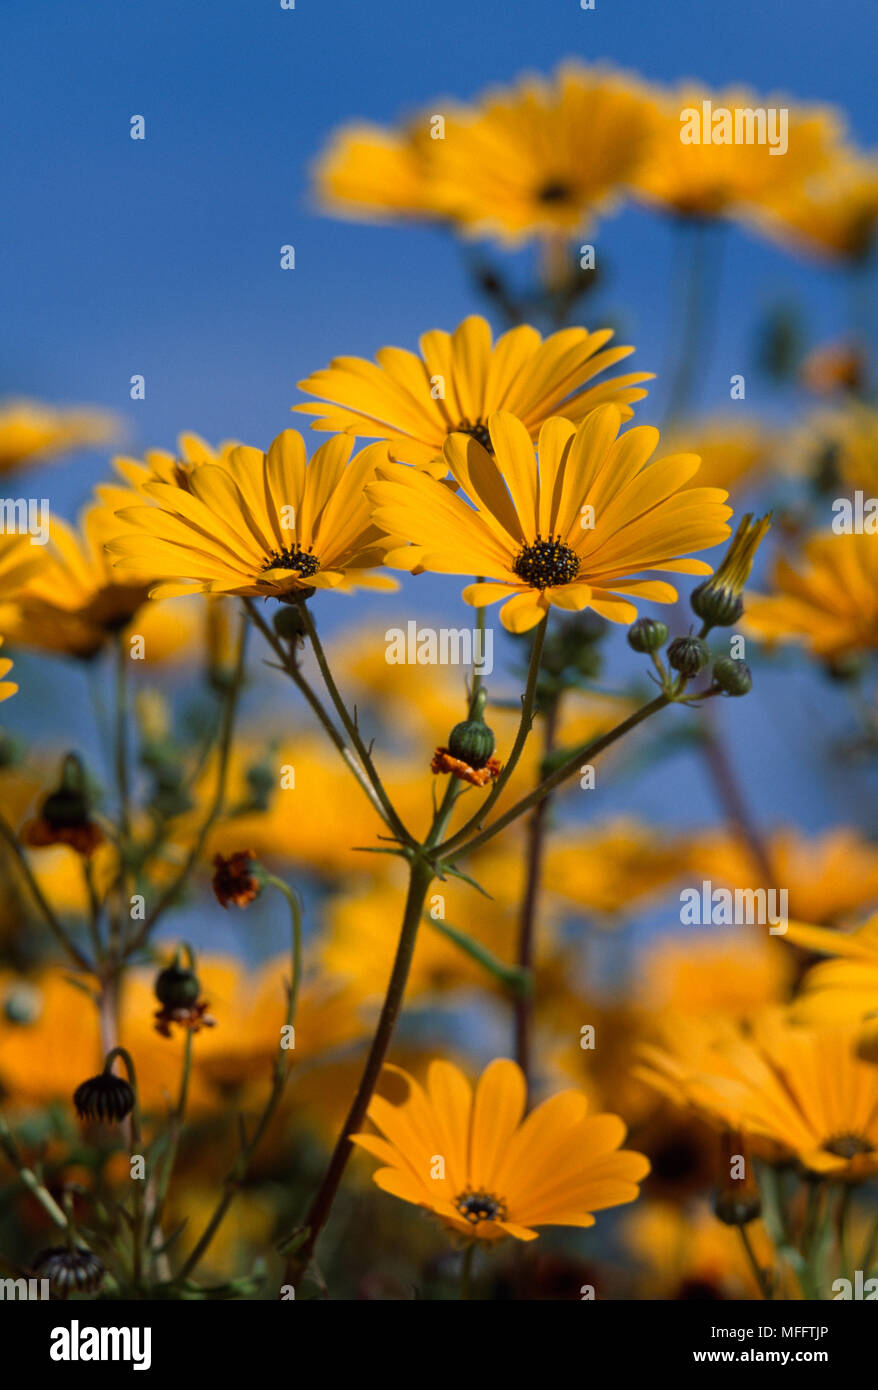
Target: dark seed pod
105, 1097
647, 635
716, 605
69, 1271
737, 1208
688, 655
177, 987
732, 677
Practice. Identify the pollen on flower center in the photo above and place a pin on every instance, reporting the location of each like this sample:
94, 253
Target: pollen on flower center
479, 432
546, 563
293, 558
848, 1145
480, 1206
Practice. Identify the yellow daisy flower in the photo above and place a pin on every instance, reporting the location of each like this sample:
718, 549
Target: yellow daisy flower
31, 432
460, 379
734, 453
833, 216
7, 688
73, 602
846, 987
827, 600
714, 180
371, 172
543, 156
802, 1089
164, 466
571, 530
264, 525
485, 1169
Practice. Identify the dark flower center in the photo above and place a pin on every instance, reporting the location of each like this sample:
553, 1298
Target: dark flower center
479, 432
293, 558
848, 1145
546, 563
554, 191
480, 1206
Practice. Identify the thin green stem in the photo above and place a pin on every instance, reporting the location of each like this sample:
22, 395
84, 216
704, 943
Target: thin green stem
304, 1239
58, 931
291, 668
548, 784
762, 1276
240, 1170
214, 810
9, 1147
466, 1271
352, 731
528, 708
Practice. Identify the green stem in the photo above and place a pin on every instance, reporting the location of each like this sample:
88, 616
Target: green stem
762, 1276
307, 1235
228, 723
58, 931
548, 784
466, 1271
291, 668
29, 1177
528, 706
352, 731
241, 1168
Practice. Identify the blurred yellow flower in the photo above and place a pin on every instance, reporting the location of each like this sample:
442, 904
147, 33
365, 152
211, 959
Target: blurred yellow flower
687, 1254
827, 599
829, 876
802, 1089
460, 379
570, 530
371, 172
728, 974
846, 987
697, 178
832, 216
616, 867
734, 453
31, 432
501, 1173
7, 688
543, 156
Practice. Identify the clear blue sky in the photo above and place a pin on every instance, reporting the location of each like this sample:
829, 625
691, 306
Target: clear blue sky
162, 257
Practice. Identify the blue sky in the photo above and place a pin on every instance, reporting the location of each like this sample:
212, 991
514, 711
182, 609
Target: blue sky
161, 257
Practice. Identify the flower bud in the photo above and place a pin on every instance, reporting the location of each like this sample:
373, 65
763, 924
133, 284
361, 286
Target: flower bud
176, 987
68, 1270
737, 1208
733, 677
105, 1097
472, 741
718, 606
688, 655
647, 635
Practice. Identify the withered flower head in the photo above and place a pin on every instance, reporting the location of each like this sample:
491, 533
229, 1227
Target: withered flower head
237, 878
105, 1097
65, 815
74, 1270
444, 761
177, 989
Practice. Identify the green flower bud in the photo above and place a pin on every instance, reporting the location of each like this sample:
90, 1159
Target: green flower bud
718, 606
688, 655
288, 623
647, 635
472, 741
176, 987
732, 677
